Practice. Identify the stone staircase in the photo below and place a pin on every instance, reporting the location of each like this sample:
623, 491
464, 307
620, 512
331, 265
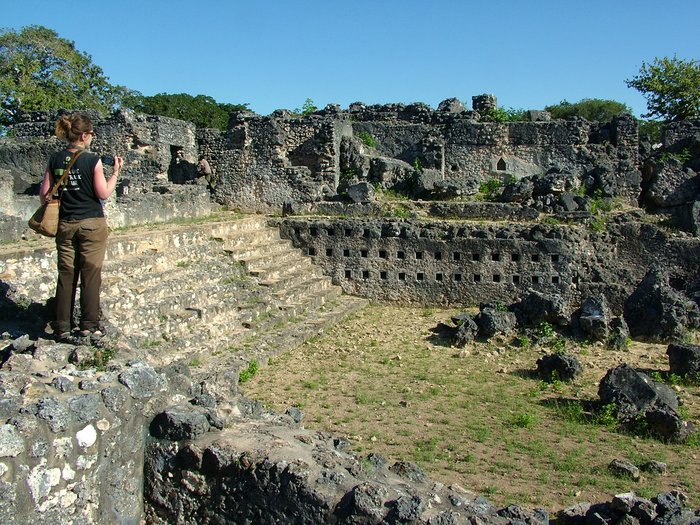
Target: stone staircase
217, 294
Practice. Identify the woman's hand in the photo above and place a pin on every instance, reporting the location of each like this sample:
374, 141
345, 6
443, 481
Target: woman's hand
118, 164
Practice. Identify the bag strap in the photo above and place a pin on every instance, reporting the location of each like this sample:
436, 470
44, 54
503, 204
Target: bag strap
66, 172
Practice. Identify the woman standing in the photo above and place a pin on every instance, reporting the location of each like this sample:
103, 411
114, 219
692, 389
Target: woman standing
81, 240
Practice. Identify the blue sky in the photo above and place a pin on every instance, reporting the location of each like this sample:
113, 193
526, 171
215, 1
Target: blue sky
275, 54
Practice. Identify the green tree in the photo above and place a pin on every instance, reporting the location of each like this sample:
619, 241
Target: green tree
592, 109
201, 110
671, 87
40, 71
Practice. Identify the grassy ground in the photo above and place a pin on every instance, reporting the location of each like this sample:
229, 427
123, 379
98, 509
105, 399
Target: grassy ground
477, 416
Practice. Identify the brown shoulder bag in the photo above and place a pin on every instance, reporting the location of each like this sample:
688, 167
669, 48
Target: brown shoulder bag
45, 219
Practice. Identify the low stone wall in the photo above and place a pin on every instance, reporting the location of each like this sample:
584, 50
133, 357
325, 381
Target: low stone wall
156, 184
445, 262
270, 471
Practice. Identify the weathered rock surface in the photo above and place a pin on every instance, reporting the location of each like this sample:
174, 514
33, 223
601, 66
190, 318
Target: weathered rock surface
248, 470
492, 321
657, 312
559, 367
594, 318
684, 359
641, 400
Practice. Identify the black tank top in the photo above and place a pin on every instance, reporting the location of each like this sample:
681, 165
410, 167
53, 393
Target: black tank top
78, 199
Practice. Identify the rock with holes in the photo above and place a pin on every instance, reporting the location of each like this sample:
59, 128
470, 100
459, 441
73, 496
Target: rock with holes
624, 469
539, 307
594, 318
182, 422
466, 332
361, 192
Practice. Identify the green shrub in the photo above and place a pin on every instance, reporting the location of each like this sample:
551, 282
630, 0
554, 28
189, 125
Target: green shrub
249, 372
490, 189
367, 139
545, 329
522, 420
507, 115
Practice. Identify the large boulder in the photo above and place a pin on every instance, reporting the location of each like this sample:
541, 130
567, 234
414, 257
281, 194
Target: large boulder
594, 318
451, 105
466, 332
424, 181
518, 191
538, 307
657, 312
361, 192
643, 402
669, 184
554, 183
389, 172
619, 334
494, 321
559, 367
182, 422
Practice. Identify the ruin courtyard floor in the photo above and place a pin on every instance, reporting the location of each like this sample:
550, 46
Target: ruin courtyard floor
478, 416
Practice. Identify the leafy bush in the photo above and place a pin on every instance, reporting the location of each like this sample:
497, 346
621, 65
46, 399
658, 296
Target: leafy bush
249, 372
490, 189
367, 139
671, 87
650, 130
201, 110
507, 115
308, 107
682, 156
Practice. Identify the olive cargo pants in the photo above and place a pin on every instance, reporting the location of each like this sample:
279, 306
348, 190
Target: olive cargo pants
81, 249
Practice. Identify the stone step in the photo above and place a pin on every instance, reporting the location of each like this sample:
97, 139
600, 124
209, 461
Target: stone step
141, 272
292, 289
239, 241
172, 236
177, 288
277, 339
251, 250
222, 292
271, 268
166, 300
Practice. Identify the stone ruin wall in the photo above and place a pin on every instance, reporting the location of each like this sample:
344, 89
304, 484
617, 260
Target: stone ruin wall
268, 161
263, 162
83, 461
457, 263
146, 192
288, 163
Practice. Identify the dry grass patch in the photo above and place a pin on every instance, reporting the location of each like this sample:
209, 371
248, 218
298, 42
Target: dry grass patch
475, 417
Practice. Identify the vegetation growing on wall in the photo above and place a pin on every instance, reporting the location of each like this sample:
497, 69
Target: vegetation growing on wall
367, 139
507, 115
592, 109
